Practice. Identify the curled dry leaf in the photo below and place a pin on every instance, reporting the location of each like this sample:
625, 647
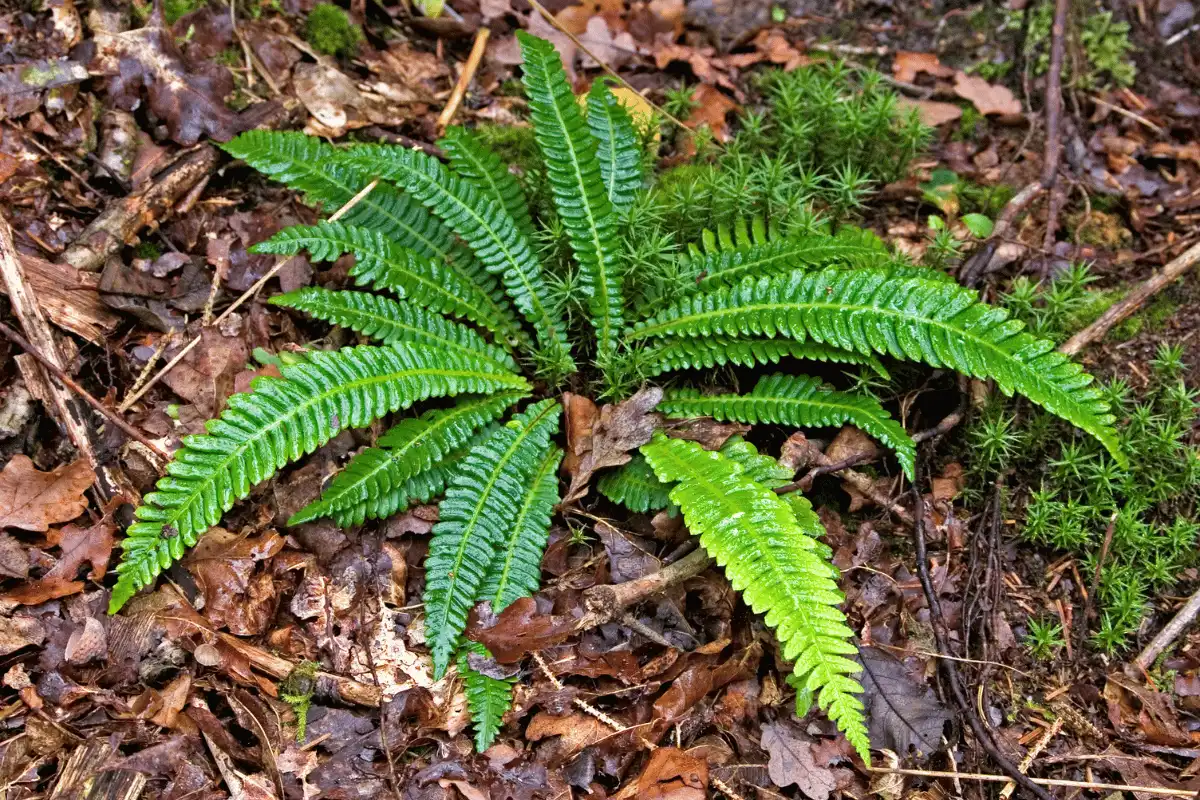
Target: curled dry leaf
617, 430
907, 65
791, 761
79, 546
33, 500
672, 774
989, 98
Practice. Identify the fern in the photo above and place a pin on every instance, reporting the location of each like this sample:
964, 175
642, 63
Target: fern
488, 698
635, 486
617, 146
389, 321
870, 311
772, 558
409, 448
471, 159
381, 263
480, 506
678, 354
799, 402
421, 488
486, 227
573, 168
277, 422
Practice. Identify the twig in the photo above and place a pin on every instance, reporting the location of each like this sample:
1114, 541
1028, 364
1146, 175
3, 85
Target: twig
1119, 312
976, 266
1038, 782
950, 671
82, 393
1054, 104
1089, 608
605, 604
1183, 618
246, 295
465, 77
1138, 118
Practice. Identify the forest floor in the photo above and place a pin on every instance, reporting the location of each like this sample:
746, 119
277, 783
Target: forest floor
129, 233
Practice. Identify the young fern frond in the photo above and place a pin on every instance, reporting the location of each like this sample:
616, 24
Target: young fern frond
772, 557
579, 191
381, 263
799, 402
480, 506
618, 148
411, 447
488, 698
485, 226
471, 159
516, 569
635, 486
279, 420
668, 355
390, 321
871, 311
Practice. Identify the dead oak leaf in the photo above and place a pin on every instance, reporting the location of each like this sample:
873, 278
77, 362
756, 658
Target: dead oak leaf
711, 109
791, 761
79, 546
672, 774
33, 500
615, 432
989, 98
236, 593
907, 65
932, 112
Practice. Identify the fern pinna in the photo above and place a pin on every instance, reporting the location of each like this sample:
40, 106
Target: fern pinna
457, 294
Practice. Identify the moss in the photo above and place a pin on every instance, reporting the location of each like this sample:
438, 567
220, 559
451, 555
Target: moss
1101, 229
330, 31
174, 9
1103, 41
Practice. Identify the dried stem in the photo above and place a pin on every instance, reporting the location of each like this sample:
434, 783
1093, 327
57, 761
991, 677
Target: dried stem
465, 78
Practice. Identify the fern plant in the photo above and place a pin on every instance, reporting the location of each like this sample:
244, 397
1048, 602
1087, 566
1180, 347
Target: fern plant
464, 303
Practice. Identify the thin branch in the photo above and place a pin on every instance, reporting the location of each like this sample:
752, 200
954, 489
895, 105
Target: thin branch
1179, 623
464, 78
1038, 782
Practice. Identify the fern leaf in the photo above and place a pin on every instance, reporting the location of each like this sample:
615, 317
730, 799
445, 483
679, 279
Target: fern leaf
480, 506
516, 569
472, 159
279, 420
488, 699
800, 402
409, 448
579, 191
871, 311
635, 486
745, 232
618, 150
669, 355
756, 466
771, 558
390, 321
381, 263
486, 227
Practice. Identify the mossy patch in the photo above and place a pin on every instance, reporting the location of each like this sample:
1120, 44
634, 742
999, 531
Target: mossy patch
330, 31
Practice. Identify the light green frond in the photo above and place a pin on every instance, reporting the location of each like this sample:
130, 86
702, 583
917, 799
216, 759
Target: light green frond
668, 355
635, 486
755, 466
516, 570
488, 699
485, 226
472, 159
390, 321
479, 509
279, 420
381, 263
773, 560
871, 311
797, 401
408, 449
579, 191
618, 148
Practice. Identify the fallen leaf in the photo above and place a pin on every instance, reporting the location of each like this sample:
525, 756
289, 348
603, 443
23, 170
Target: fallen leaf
629, 556
988, 98
518, 629
612, 48
206, 374
706, 431
711, 108
907, 65
18, 631
672, 774
619, 429
901, 713
173, 699
87, 643
78, 546
236, 594
577, 731
932, 112
791, 761
33, 500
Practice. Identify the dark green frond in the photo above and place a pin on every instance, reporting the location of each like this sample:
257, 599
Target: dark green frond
772, 558
580, 194
472, 159
381, 263
408, 449
277, 422
485, 226
871, 311
488, 699
516, 570
619, 150
800, 402
391, 321
635, 486
480, 506
677, 354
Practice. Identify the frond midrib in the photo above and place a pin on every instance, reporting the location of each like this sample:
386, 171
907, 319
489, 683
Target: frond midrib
548, 464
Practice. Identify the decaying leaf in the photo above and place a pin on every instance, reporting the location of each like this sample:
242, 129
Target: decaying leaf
236, 594
672, 774
907, 65
79, 546
792, 761
33, 500
932, 112
901, 713
519, 629
989, 98
618, 430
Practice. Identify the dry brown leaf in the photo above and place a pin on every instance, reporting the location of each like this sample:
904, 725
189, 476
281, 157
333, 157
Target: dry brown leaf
712, 106
33, 500
932, 112
989, 98
79, 546
577, 731
614, 433
791, 761
672, 774
236, 594
519, 629
907, 65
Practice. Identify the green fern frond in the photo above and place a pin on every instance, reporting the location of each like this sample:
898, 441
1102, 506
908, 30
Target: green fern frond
772, 559
409, 448
472, 159
871, 311
485, 226
279, 420
579, 191
488, 699
381, 263
618, 148
744, 233
516, 569
480, 506
635, 486
678, 354
800, 402
756, 466
390, 321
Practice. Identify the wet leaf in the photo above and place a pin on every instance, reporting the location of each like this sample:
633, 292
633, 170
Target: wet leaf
617, 430
79, 546
792, 762
672, 774
901, 713
519, 629
33, 500
236, 594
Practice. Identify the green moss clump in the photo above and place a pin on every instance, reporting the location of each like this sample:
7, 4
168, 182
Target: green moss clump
330, 31
174, 9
